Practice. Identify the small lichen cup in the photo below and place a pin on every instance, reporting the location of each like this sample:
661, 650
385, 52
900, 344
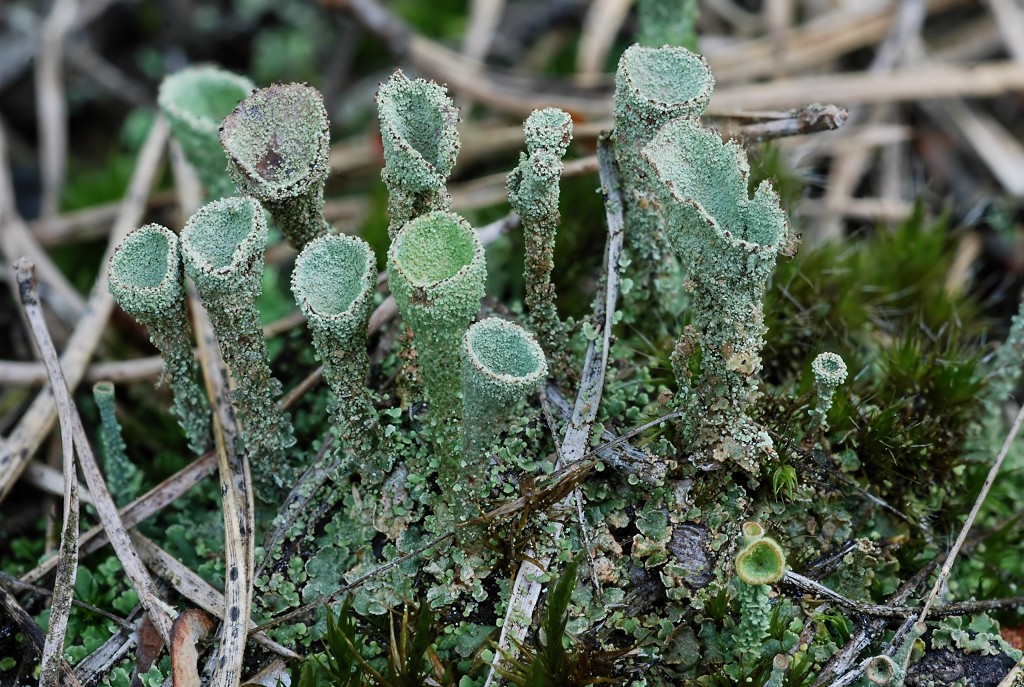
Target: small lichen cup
436, 271
145, 279
222, 247
333, 283
196, 100
419, 133
501, 364
278, 145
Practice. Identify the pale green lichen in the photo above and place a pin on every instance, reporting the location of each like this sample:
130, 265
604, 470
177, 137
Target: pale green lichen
759, 564
436, 271
829, 374
881, 670
501, 364
667, 22
146, 281
780, 664
419, 133
278, 144
124, 479
222, 246
533, 190
333, 283
755, 618
728, 243
652, 87
196, 100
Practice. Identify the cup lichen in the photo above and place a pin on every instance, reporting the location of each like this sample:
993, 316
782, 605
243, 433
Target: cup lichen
196, 100
222, 246
728, 243
419, 133
829, 374
436, 270
333, 283
146, 281
278, 145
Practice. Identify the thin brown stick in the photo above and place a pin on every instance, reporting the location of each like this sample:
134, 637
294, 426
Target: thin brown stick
67, 556
126, 554
39, 419
189, 628
51, 110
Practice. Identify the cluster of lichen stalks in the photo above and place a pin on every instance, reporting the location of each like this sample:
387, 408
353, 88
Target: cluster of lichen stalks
685, 193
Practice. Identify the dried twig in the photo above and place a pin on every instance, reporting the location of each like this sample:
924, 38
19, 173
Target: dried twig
34, 634
38, 420
191, 627
126, 554
67, 556
526, 589
51, 109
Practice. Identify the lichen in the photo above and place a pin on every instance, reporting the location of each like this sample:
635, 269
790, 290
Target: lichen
829, 374
222, 245
146, 281
278, 145
418, 128
124, 478
196, 100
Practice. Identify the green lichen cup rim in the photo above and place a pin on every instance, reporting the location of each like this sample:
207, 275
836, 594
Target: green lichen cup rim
881, 670
281, 129
761, 562
829, 369
224, 239
187, 95
550, 129
144, 274
334, 277
665, 79
413, 254
497, 335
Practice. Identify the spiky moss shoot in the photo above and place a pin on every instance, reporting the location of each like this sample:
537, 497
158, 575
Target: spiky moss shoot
145, 280
652, 87
501, 364
881, 670
333, 283
829, 374
436, 270
195, 101
123, 478
533, 191
728, 243
222, 245
419, 132
278, 143
761, 562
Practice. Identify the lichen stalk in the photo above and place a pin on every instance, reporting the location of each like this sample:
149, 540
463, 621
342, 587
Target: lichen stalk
728, 243
829, 374
436, 270
759, 564
333, 283
420, 137
196, 100
145, 279
533, 192
278, 145
652, 87
123, 478
222, 247
501, 364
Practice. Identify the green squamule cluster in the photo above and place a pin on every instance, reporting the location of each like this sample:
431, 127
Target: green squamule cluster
195, 101
145, 280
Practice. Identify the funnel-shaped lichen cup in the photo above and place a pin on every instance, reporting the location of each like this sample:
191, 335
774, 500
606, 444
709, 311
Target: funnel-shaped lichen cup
196, 100
761, 562
222, 246
501, 364
146, 281
728, 242
333, 283
652, 87
419, 133
278, 144
436, 270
